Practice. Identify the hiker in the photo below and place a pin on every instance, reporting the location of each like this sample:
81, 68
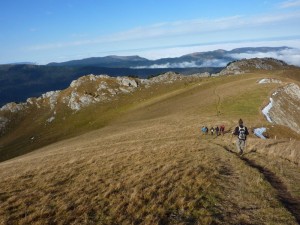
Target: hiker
241, 132
222, 130
203, 130
217, 130
212, 130
206, 130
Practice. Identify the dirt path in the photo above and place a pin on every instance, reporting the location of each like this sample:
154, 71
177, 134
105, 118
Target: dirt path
218, 105
284, 196
292, 204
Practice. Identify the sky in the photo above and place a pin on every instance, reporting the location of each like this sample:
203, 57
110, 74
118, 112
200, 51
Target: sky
43, 31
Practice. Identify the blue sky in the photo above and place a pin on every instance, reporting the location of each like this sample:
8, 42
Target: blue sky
44, 31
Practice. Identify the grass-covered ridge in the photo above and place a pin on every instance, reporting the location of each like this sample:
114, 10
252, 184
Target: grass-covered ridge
149, 164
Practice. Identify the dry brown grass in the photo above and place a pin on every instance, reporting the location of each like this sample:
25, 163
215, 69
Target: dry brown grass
152, 166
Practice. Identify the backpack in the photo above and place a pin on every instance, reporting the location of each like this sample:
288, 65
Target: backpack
242, 133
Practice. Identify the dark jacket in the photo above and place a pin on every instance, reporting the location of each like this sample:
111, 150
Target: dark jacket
237, 131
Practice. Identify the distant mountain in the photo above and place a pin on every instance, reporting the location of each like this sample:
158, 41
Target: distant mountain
217, 58
112, 61
21, 81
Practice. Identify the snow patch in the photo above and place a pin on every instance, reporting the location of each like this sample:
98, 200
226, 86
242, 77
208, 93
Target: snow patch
269, 80
259, 132
50, 119
266, 110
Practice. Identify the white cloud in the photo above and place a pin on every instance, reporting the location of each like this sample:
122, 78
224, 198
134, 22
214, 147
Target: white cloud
214, 63
187, 28
169, 65
290, 4
207, 63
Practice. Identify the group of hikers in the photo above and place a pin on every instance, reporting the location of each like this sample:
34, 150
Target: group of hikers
240, 131
214, 130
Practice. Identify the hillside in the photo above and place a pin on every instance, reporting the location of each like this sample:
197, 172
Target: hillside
19, 82
138, 157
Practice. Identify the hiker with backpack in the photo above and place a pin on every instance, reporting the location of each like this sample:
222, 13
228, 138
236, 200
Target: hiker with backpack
222, 130
241, 132
212, 130
206, 130
217, 129
203, 130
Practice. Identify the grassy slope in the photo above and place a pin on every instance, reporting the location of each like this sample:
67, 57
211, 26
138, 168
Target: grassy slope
69, 124
152, 166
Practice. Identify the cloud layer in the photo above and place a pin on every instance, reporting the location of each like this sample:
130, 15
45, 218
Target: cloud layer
290, 56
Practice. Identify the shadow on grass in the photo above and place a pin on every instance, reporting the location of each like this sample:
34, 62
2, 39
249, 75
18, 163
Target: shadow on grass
290, 203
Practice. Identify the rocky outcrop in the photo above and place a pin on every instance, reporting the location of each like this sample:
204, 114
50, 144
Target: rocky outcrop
13, 107
88, 90
248, 65
3, 122
284, 107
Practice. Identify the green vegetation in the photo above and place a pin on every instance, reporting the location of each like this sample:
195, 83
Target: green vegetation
141, 159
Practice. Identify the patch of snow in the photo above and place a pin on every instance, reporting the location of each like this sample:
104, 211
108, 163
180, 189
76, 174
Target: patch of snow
50, 119
266, 110
259, 132
269, 80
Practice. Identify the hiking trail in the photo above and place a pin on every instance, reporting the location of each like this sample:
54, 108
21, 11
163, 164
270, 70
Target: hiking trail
292, 204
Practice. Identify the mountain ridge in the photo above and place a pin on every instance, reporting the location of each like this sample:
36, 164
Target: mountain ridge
137, 61
19, 82
89, 91
141, 156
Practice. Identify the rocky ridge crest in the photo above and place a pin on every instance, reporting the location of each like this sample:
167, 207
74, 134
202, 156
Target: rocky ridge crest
85, 91
248, 65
